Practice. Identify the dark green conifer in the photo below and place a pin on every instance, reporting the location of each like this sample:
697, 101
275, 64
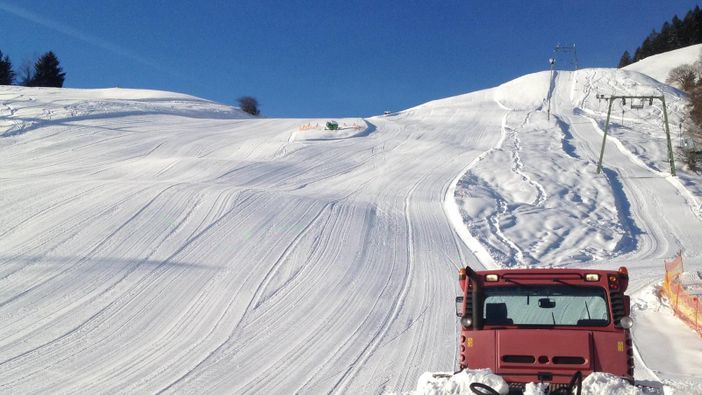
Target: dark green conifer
7, 76
625, 60
47, 72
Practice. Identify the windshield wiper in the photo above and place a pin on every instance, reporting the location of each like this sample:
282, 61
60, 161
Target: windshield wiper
588, 311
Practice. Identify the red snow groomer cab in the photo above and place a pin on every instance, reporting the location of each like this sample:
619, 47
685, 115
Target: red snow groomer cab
545, 325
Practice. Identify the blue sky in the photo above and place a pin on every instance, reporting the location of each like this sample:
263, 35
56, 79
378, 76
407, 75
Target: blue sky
321, 58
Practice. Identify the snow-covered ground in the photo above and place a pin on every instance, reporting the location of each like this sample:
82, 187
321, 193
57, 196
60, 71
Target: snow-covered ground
156, 242
597, 383
658, 66
550, 207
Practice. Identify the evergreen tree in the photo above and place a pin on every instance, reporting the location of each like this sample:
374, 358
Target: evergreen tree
7, 76
47, 72
687, 34
673, 35
625, 60
637, 54
667, 40
696, 34
649, 45
677, 32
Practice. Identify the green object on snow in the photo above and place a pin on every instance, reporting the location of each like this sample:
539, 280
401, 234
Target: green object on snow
332, 125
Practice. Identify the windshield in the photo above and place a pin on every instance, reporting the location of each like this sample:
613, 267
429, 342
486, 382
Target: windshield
545, 305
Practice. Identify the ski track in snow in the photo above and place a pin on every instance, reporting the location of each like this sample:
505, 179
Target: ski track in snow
341, 385
148, 247
154, 242
648, 209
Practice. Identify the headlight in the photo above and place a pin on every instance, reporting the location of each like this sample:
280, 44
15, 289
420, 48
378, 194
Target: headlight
626, 322
592, 277
466, 322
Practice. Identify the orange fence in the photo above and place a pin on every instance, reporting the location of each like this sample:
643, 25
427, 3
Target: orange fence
309, 126
685, 300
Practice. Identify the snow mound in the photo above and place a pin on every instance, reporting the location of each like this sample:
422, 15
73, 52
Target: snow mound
535, 388
597, 383
659, 66
525, 93
604, 383
458, 384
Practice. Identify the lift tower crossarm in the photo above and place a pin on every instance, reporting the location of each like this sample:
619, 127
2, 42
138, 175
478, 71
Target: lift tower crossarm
611, 99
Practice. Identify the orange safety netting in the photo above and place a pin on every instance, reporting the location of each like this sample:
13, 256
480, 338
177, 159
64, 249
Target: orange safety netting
685, 303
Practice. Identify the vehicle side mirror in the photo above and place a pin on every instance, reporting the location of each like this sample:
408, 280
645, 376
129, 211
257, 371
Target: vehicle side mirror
547, 303
459, 306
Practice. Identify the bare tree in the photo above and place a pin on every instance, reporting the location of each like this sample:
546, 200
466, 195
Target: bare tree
25, 72
249, 105
684, 77
692, 138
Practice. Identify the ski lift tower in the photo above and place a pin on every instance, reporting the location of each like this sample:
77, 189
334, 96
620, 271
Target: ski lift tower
569, 52
637, 102
552, 62
572, 61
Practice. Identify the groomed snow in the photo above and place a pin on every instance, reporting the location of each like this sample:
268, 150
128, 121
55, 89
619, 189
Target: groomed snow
176, 245
156, 242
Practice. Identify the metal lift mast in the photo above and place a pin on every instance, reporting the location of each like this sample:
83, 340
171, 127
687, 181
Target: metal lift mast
568, 50
650, 99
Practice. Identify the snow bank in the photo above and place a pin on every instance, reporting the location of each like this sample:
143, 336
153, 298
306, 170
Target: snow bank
458, 384
604, 383
535, 389
667, 350
525, 93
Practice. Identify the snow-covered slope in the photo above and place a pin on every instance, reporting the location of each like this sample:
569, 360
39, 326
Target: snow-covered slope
155, 242
659, 66
549, 206
170, 250
537, 200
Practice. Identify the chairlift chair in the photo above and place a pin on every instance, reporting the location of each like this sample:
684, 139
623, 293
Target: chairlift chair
637, 105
